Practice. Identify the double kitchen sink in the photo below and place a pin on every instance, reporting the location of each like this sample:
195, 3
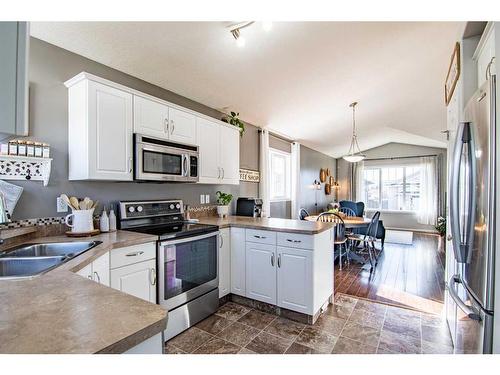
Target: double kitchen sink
34, 259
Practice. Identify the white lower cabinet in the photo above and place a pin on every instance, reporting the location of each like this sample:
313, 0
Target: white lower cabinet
98, 270
238, 279
138, 279
261, 272
224, 262
294, 278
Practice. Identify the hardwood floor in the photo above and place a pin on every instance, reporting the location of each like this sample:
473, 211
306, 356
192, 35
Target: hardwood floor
406, 275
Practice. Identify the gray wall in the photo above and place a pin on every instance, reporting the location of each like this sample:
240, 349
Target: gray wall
401, 220
311, 162
50, 66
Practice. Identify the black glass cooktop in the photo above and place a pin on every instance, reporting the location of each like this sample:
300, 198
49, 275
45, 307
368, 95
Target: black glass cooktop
176, 230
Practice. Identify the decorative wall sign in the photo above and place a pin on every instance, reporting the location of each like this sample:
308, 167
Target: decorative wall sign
453, 74
249, 175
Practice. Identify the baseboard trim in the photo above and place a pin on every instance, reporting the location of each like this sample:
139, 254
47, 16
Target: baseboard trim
427, 231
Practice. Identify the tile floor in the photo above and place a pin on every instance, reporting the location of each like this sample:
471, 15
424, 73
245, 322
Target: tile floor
350, 326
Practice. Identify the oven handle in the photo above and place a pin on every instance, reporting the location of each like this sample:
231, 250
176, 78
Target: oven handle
188, 239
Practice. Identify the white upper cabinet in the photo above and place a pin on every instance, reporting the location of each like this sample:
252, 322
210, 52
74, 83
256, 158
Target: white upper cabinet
209, 143
485, 54
219, 153
229, 155
150, 117
100, 132
182, 126
103, 116
158, 120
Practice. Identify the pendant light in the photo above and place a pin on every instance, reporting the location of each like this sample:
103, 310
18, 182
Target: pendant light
354, 155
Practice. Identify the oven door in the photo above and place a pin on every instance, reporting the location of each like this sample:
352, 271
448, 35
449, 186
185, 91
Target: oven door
187, 268
160, 163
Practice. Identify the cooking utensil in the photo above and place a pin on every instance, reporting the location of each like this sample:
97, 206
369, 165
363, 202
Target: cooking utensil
74, 203
87, 203
94, 205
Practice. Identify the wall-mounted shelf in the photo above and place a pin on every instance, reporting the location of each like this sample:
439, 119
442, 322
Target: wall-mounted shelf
13, 167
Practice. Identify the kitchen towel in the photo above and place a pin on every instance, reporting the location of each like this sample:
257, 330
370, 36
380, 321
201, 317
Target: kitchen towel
12, 193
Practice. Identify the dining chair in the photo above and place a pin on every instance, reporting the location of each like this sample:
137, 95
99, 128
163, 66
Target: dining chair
347, 211
340, 238
303, 214
368, 239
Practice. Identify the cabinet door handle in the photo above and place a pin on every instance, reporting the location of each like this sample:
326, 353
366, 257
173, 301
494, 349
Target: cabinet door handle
294, 241
98, 278
152, 276
223, 173
260, 237
272, 259
218, 172
166, 125
221, 241
173, 127
135, 253
279, 260
130, 163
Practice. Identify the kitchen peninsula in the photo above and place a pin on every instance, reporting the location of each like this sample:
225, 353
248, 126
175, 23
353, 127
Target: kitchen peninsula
279, 265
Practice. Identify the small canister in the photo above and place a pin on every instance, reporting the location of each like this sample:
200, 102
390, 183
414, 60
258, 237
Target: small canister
38, 149
46, 150
13, 147
21, 148
4, 149
30, 148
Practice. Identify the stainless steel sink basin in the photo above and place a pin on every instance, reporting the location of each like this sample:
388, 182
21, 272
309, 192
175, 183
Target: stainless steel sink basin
67, 249
34, 259
26, 267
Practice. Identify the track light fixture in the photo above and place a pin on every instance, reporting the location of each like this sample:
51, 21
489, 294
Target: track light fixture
235, 30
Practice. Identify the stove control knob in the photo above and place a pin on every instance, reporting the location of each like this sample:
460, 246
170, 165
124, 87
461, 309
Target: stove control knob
131, 209
139, 208
178, 206
172, 206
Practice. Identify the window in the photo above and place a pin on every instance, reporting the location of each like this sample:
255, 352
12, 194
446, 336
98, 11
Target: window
280, 175
391, 188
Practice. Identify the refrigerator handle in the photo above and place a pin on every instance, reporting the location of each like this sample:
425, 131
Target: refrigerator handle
468, 310
462, 241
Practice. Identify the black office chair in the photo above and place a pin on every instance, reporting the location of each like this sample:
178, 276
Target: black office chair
368, 239
303, 214
339, 239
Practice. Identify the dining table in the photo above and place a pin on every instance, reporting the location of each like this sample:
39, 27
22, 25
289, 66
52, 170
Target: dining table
350, 222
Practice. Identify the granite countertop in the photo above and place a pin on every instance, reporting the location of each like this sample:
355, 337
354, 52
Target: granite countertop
274, 224
62, 312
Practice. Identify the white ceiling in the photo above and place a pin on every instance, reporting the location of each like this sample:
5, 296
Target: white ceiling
298, 79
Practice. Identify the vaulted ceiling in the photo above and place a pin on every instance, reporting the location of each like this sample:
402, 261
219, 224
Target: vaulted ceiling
297, 79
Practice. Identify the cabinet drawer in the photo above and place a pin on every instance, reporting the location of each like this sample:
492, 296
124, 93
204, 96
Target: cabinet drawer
300, 241
132, 254
261, 236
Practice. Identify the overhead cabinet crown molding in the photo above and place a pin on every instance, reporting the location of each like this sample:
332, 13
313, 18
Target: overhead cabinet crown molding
103, 115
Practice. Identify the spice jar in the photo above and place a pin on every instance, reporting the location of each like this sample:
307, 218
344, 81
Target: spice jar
30, 148
13, 147
21, 148
4, 149
38, 149
46, 150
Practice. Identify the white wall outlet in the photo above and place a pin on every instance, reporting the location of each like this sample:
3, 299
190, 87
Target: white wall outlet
207, 198
61, 205
202, 198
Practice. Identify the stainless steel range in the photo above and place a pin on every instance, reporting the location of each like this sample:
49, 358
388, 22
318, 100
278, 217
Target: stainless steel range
187, 260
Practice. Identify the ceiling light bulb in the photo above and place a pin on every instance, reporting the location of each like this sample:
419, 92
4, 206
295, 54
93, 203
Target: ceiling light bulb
267, 26
240, 42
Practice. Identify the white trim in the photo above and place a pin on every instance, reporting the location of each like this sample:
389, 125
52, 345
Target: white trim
482, 41
87, 76
430, 231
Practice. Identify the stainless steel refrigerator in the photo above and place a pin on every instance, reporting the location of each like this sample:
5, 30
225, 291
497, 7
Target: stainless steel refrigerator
472, 222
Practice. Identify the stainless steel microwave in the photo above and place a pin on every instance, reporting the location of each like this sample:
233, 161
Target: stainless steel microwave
161, 160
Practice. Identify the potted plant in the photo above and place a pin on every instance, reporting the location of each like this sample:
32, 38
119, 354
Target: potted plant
223, 200
233, 119
441, 228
